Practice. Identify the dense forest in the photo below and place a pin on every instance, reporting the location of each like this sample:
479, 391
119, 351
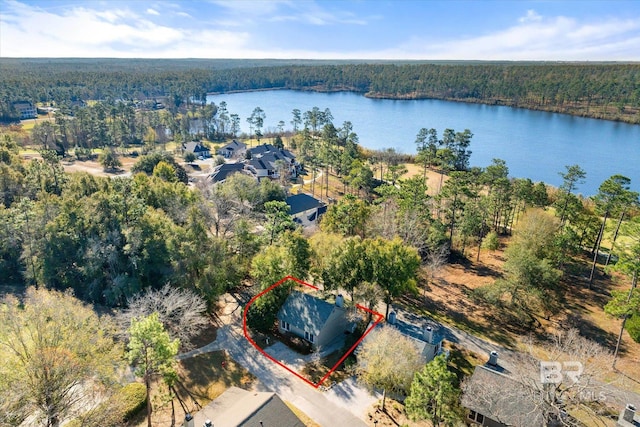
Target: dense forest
603, 90
113, 239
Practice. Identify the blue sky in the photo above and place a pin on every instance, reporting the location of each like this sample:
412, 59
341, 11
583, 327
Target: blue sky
359, 29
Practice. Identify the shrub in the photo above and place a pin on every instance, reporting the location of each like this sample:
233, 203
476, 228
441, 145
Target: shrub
633, 327
148, 162
122, 406
296, 343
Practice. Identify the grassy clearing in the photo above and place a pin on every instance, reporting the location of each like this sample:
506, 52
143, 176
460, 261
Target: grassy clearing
206, 376
201, 379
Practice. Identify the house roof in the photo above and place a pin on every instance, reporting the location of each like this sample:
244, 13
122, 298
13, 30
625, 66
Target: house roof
233, 146
302, 202
306, 312
259, 164
237, 407
414, 330
195, 147
222, 172
261, 149
268, 149
503, 398
23, 105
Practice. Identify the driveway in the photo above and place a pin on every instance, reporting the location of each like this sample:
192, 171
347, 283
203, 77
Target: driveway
344, 405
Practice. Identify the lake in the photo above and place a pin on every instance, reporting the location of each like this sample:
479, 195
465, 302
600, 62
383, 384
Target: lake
535, 144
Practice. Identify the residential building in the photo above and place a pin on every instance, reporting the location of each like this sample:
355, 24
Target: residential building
313, 319
628, 417
26, 109
496, 397
268, 161
233, 150
222, 172
197, 148
425, 335
241, 408
305, 209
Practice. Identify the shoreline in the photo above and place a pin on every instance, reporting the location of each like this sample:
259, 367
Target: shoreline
628, 119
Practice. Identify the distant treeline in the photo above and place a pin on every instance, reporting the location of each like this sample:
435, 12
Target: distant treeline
601, 90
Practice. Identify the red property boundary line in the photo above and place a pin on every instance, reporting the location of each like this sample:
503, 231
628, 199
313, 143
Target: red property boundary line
379, 317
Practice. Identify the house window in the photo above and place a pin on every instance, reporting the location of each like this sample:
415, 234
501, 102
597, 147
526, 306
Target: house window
474, 416
285, 325
308, 336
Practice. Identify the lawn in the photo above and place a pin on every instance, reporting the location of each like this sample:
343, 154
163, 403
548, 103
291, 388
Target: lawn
201, 379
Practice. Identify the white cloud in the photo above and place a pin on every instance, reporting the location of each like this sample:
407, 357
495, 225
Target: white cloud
532, 16
537, 38
81, 32
101, 29
309, 12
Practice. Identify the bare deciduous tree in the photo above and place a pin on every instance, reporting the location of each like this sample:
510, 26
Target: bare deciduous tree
572, 367
436, 259
181, 311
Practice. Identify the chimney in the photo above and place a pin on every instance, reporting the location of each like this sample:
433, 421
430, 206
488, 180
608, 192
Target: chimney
188, 421
428, 334
392, 318
339, 301
493, 358
629, 413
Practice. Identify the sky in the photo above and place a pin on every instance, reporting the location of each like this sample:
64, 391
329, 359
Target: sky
323, 29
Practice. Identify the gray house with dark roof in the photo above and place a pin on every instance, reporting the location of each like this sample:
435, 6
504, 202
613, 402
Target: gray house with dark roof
234, 149
222, 172
264, 161
26, 109
495, 399
304, 208
196, 148
239, 408
628, 417
423, 334
313, 319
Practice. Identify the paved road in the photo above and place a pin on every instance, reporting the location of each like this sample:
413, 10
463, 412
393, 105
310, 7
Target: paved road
341, 406
511, 360
346, 403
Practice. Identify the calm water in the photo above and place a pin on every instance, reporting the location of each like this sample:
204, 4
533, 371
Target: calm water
534, 144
